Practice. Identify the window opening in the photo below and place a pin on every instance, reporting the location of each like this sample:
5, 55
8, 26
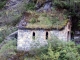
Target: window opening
46, 35
68, 35
33, 36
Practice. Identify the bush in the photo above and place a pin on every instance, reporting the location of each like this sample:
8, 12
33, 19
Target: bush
30, 6
58, 50
1, 39
8, 50
2, 3
5, 31
55, 50
78, 47
62, 5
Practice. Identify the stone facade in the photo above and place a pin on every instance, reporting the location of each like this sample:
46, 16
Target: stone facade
28, 38
25, 38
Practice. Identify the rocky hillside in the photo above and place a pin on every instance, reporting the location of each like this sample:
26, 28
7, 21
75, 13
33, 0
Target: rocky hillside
10, 14
12, 10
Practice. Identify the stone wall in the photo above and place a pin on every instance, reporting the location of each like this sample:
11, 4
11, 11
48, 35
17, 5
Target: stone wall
26, 41
64, 34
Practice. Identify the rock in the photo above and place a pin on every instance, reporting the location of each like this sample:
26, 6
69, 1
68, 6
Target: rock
44, 7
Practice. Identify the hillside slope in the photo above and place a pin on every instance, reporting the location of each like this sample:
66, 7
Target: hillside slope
12, 10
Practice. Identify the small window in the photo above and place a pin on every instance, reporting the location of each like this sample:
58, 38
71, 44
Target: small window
33, 36
46, 35
68, 35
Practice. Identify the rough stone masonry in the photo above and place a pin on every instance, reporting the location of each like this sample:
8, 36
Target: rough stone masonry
28, 38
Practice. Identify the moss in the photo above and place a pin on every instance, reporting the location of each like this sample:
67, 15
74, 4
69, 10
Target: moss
45, 21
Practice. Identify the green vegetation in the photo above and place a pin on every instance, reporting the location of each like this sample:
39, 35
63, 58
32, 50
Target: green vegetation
45, 20
2, 3
73, 9
30, 6
5, 31
61, 5
55, 50
8, 50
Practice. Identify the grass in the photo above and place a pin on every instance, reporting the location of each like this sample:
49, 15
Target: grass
45, 21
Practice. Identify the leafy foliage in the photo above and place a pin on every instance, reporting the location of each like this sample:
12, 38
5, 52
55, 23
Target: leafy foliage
57, 50
5, 31
61, 4
73, 10
8, 50
30, 6
2, 3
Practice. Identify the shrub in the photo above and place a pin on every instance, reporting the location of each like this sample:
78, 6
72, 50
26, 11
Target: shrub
58, 50
2, 3
8, 50
62, 5
30, 6
5, 31
55, 50
78, 47
1, 39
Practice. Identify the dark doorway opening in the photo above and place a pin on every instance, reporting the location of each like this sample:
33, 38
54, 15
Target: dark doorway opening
68, 35
46, 35
33, 36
